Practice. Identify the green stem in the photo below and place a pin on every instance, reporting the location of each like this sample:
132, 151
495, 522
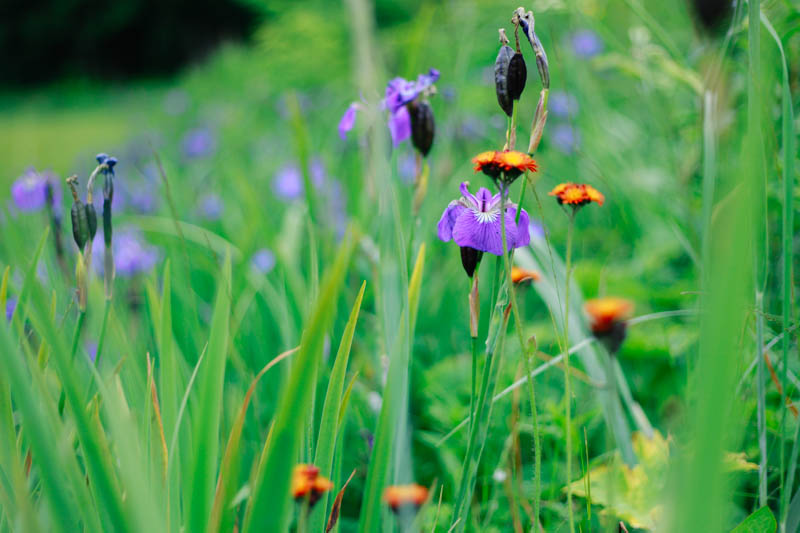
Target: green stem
567, 386
474, 376
101, 340
537, 476
75, 338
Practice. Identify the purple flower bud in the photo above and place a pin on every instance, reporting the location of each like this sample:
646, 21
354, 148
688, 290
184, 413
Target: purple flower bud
263, 261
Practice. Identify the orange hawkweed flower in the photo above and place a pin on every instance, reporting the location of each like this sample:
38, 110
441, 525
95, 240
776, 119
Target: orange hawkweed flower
509, 163
520, 275
401, 496
577, 195
608, 320
307, 483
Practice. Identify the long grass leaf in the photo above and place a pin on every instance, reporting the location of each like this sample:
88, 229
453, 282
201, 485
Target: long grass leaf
329, 423
269, 503
205, 435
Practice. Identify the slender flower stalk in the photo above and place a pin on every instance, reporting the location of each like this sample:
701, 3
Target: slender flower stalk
567, 385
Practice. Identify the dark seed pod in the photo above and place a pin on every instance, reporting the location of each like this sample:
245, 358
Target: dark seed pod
517, 76
614, 337
91, 220
470, 257
107, 221
422, 126
80, 224
501, 79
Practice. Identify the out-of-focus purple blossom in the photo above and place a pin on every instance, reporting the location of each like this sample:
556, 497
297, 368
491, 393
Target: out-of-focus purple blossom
288, 181
471, 128
263, 261
211, 206
132, 254
536, 230
91, 350
474, 221
199, 142
586, 43
407, 168
11, 304
400, 92
565, 138
562, 104
142, 199
348, 120
400, 126
28, 191
176, 102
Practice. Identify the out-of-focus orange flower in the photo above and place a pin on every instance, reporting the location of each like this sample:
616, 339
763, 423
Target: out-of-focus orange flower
520, 275
605, 312
577, 194
508, 162
400, 496
307, 483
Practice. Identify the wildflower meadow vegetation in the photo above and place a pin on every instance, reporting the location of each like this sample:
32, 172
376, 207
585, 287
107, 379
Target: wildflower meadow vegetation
435, 266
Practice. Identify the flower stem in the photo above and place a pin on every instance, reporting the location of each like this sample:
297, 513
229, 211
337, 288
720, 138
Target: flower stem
75, 338
537, 476
567, 386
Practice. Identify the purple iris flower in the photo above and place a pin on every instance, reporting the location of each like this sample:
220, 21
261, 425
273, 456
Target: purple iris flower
474, 221
28, 191
211, 206
586, 43
263, 261
11, 304
399, 92
199, 142
132, 254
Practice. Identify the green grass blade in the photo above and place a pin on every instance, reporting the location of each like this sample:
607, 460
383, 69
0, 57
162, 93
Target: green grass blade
329, 423
761, 521
205, 435
270, 499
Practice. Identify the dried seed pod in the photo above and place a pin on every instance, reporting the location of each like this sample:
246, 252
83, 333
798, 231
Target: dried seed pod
517, 76
91, 220
80, 224
422, 126
501, 65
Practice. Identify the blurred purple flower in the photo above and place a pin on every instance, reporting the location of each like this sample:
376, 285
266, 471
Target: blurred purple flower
399, 92
11, 304
475, 222
28, 191
199, 142
288, 182
586, 43
536, 230
348, 120
211, 206
562, 104
407, 168
263, 261
565, 138
132, 254
91, 350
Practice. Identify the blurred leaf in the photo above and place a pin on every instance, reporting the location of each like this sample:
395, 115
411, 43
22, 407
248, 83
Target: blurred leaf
761, 521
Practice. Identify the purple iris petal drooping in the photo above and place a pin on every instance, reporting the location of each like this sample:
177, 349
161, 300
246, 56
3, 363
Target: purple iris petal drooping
400, 92
586, 43
474, 221
348, 120
263, 261
400, 126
